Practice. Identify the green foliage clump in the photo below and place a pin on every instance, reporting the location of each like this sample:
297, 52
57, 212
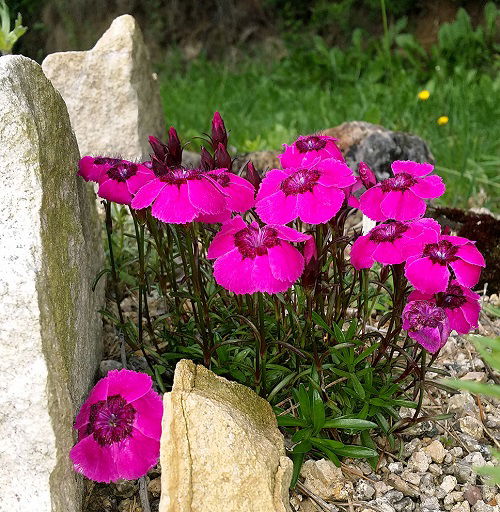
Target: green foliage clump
8, 37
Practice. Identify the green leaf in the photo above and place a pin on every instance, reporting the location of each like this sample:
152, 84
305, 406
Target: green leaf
360, 390
339, 335
319, 321
318, 411
329, 444
355, 451
305, 405
351, 331
350, 423
291, 421
302, 447
298, 460
475, 387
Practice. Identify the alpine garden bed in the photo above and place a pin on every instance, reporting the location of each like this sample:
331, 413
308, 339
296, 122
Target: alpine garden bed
262, 278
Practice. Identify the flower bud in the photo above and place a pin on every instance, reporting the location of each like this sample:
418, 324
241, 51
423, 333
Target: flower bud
219, 134
252, 175
367, 175
207, 160
160, 149
222, 158
174, 157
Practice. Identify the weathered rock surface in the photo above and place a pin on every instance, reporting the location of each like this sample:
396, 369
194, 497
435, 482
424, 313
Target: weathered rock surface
50, 252
220, 447
112, 95
326, 480
378, 147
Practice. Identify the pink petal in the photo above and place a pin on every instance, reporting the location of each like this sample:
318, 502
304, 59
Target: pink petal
271, 182
89, 171
335, 173
402, 205
143, 176
389, 253
413, 168
205, 197
458, 321
241, 194
320, 205
471, 254
223, 241
432, 339
456, 240
362, 252
116, 191
147, 194
426, 276
94, 461
277, 208
290, 234
218, 218
234, 272
136, 455
286, 262
369, 203
429, 187
466, 274
263, 279
471, 311
149, 410
173, 205
128, 384
418, 295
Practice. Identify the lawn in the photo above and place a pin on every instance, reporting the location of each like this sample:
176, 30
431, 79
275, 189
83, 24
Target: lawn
266, 102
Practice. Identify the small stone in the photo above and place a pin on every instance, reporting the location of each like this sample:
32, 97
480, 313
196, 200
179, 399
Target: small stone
489, 494
472, 494
435, 469
448, 458
396, 467
471, 444
448, 484
472, 427
405, 505
407, 489
464, 473
126, 488
107, 365
461, 507
411, 447
474, 459
364, 491
326, 480
409, 476
381, 488
436, 451
481, 506
492, 421
129, 505
393, 496
453, 497
427, 484
431, 503
475, 376
381, 505
457, 451
462, 404
419, 462
154, 487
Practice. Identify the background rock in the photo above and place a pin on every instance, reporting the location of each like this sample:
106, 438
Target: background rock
112, 95
50, 253
378, 147
220, 447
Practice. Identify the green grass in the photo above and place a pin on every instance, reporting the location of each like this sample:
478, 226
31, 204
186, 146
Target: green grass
266, 103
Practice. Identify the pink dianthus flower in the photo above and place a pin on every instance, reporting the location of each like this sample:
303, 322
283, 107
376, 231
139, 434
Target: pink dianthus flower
313, 194
460, 304
250, 258
429, 272
427, 324
403, 196
118, 179
308, 149
393, 242
180, 195
119, 428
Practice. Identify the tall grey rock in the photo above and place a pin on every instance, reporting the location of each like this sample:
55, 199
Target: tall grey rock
111, 92
50, 328
220, 448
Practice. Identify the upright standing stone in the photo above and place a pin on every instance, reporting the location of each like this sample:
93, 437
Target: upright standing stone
112, 95
50, 328
221, 449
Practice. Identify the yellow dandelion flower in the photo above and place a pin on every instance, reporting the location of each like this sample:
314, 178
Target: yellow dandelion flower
424, 95
442, 120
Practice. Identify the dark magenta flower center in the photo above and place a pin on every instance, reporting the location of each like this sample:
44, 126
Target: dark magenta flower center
443, 252
311, 143
181, 176
400, 183
452, 298
111, 420
301, 181
253, 242
222, 179
122, 171
104, 160
388, 232
422, 314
